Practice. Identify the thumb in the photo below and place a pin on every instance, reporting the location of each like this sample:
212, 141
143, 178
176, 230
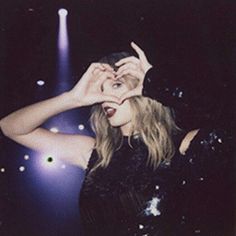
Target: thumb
109, 98
129, 94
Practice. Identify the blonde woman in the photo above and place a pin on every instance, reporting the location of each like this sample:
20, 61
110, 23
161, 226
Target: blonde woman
140, 173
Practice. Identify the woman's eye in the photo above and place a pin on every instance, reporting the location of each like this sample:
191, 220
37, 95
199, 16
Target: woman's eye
116, 85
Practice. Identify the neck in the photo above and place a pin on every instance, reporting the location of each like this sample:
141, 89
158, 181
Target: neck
126, 129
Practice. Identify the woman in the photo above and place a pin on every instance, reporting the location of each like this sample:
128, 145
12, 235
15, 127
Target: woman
134, 184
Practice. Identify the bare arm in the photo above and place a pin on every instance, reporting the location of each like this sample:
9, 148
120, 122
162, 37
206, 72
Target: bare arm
28, 118
22, 126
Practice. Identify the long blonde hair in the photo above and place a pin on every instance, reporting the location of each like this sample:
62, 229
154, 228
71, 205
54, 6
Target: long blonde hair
151, 120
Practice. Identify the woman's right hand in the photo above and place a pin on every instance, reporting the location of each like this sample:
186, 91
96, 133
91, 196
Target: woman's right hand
88, 90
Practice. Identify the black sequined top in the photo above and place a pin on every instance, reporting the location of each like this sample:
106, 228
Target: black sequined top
191, 195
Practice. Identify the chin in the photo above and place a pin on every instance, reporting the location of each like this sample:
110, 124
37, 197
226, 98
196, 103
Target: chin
118, 124
115, 124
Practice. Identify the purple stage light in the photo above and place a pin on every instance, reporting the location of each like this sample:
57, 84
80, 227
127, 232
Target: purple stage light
48, 163
63, 36
62, 12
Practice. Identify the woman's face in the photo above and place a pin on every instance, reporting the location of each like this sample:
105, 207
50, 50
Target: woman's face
118, 115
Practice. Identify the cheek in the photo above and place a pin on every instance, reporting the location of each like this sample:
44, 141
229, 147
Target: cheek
107, 91
126, 110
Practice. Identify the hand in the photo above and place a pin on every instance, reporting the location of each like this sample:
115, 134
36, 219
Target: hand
135, 68
88, 90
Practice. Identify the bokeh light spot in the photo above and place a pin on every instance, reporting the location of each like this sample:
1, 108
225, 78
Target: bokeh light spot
21, 168
50, 159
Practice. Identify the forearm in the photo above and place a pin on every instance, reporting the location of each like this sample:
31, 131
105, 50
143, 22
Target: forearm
195, 103
29, 118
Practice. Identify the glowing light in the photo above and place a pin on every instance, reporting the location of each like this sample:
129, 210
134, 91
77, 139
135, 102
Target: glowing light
2, 170
50, 159
63, 71
40, 82
63, 166
21, 168
152, 208
62, 12
63, 36
141, 226
81, 127
219, 140
54, 130
26, 157
49, 162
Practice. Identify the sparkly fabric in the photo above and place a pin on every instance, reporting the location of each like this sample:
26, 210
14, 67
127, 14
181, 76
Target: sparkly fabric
194, 102
191, 195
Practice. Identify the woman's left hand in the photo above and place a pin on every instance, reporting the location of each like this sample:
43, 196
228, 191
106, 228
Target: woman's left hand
135, 68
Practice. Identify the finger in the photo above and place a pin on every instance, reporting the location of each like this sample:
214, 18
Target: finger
109, 98
132, 59
129, 65
139, 51
97, 71
104, 76
129, 94
94, 66
108, 67
133, 73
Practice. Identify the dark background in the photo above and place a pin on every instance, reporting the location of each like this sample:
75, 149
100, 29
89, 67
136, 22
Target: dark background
194, 40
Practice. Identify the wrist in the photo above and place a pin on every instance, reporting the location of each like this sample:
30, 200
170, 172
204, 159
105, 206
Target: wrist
70, 100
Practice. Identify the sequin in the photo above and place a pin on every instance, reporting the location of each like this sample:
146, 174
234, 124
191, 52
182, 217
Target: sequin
191, 160
157, 187
152, 207
141, 226
220, 140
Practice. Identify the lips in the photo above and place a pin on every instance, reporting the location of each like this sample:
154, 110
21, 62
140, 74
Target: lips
110, 111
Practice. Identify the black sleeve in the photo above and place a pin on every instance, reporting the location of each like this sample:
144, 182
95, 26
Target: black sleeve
195, 103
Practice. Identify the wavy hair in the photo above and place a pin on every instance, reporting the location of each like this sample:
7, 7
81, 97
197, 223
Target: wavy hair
150, 119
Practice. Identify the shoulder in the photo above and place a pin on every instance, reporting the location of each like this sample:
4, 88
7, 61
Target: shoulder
185, 143
207, 152
207, 139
